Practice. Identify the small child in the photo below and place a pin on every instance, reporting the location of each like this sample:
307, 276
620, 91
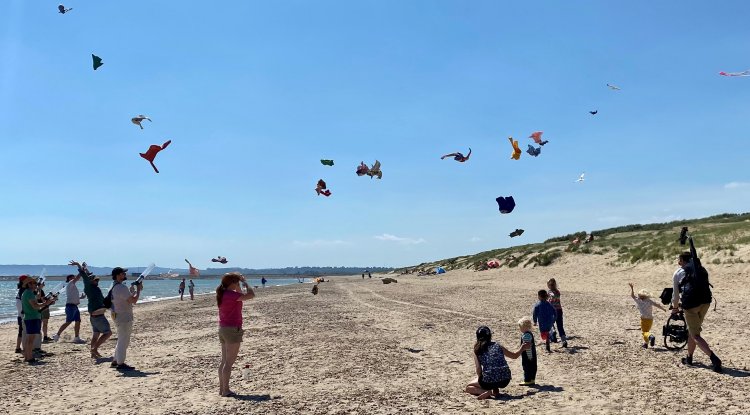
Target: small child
545, 315
492, 369
554, 299
646, 307
528, 358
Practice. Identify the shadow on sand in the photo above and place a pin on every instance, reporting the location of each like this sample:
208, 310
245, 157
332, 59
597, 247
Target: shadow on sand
729, 371
253, 398
135, 373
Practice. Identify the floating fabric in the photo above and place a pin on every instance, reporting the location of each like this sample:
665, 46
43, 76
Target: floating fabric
362, 169
594, 112
137, 120
459, 157
62, 9
153, 150
537, 137
326, 162
516, 151
743, 73
193, 271
320, 189
220, 259
506, 204
493, 263
373, 171
534, 151
613, 87
97, 61
515, 233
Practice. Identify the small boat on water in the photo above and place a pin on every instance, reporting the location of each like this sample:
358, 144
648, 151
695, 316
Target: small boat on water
169, 275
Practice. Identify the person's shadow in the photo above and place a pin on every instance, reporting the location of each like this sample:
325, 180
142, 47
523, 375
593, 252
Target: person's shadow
253, 398
135, 373
729, 371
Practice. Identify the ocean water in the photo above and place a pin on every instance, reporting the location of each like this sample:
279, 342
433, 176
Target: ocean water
153, 290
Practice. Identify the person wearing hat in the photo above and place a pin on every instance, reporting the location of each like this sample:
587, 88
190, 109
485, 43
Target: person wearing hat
99, 322
32, 317
72, 314
122, 310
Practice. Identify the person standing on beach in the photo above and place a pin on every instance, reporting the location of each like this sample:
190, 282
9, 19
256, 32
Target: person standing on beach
545, 314
229, 298
181, 290
528, 358
691, 292
263, 281
19, 309
554, 299
32, 318
45, 317
99, 323
122, 310
72, 314
191, 289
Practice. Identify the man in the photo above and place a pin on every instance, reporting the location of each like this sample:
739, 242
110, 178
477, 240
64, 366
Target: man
122, 310
72, 314
692, 287
99, 322
32, 318
182, 289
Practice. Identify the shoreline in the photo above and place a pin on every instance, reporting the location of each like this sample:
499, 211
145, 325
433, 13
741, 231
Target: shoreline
361, 346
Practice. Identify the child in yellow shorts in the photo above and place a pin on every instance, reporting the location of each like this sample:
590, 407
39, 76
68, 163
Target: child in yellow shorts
645, 306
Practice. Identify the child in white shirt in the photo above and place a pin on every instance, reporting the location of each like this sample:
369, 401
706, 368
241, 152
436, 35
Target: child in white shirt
645, 306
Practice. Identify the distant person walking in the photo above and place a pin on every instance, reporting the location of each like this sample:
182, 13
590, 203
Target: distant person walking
263, 281
181, 290
191, 289
99, 323
229, 298
122, 310
72, 314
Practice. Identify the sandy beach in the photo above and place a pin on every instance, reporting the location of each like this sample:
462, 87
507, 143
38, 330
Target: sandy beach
363, 347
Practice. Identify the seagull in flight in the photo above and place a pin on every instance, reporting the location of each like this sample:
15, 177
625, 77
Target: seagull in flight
613, 87
580, 178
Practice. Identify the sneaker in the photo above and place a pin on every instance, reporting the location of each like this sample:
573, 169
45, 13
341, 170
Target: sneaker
79, 340
687, 360
56, 337
652, 340
113, 364
716, 362
19, 350
125, 367
527, 383
565, 343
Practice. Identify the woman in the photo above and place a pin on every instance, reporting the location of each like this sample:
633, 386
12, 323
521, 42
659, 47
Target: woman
191, 289
229, 298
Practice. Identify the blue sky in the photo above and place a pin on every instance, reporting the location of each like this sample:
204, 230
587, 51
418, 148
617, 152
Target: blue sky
253, 94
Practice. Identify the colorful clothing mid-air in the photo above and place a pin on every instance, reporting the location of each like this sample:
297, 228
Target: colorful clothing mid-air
516, 151
153, 150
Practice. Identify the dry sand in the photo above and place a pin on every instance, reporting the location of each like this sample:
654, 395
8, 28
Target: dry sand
345, 351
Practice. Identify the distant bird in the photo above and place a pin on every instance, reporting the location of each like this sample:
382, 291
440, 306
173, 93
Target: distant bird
97, 61
593, 112
580, 178
137, 120
62, 9
613, 87
534, 151
517, 232
537, 137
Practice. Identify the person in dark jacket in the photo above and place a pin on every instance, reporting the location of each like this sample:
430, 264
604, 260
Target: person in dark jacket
99, 323
545, 315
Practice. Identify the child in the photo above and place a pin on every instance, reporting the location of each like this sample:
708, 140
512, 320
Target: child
492, 369
646, 307
528, 358
545, 315
554, 299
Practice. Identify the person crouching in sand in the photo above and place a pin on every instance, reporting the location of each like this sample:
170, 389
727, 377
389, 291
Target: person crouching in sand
646, 307
229, 298
493, 372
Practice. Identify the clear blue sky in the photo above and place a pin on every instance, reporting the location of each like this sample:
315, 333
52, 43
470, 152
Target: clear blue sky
254, 93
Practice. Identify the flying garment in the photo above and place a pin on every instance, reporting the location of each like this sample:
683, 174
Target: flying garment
613, 87
743, 73
362, 169
220, 259
97, 61
505, 204
320, 189
516, 151
373, 171
193, 271
326, 162
537, 137
515, 233
580, 178
593, 112
534, 151
153, 150
139, 119
459, 157
62, 9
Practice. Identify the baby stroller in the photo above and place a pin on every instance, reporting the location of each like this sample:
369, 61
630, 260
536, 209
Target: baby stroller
675, 330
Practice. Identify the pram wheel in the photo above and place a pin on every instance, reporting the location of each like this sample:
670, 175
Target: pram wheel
675, 332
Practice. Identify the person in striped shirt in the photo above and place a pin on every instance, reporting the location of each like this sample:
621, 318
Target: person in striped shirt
554, 299
528, 357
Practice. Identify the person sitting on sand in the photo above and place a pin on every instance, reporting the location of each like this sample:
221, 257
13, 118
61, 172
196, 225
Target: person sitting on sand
191, 289
181, 290
545, 314
646, 307
229, 298
493, 372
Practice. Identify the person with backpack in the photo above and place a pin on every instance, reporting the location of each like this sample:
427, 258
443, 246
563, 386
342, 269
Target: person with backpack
96, 308
691, 292
122, 311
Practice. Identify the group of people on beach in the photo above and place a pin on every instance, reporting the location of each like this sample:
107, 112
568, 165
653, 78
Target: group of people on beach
31, 302
689, 297
191, 289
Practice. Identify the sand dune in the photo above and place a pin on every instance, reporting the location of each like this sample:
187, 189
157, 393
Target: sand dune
364, 347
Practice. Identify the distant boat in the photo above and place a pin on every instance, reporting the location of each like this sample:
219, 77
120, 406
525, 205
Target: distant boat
169, 275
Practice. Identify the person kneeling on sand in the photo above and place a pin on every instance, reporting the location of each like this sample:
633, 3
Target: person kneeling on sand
493, 372
229, 298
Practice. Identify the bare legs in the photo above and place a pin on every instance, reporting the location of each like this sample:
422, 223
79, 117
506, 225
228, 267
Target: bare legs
474, 389
28, 346
229, 353
97, 340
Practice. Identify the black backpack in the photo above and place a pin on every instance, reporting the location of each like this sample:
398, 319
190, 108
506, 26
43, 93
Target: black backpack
108, 299
666, 296
695, 288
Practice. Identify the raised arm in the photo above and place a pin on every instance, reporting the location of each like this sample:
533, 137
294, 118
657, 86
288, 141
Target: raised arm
659, 306
249, 294
632, 292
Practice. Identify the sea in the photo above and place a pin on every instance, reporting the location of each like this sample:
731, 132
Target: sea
154, 290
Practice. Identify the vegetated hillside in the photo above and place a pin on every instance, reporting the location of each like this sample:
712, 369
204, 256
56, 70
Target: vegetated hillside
719, 239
